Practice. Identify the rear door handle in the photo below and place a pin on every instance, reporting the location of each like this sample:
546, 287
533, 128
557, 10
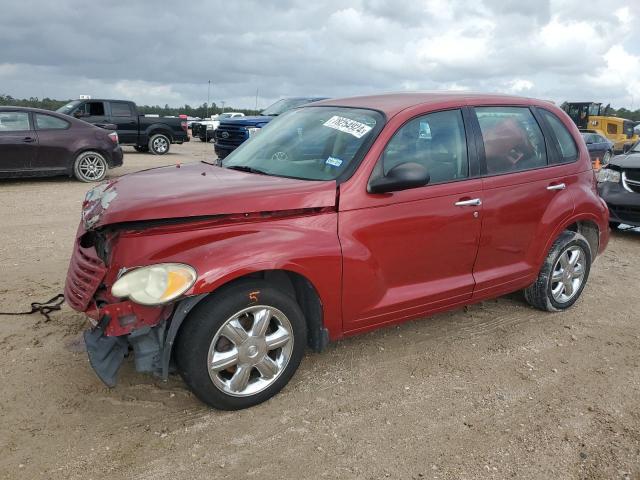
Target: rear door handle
557, 186
29, 140
474, 202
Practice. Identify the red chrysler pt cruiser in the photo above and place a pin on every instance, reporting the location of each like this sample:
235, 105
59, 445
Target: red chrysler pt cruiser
339, 217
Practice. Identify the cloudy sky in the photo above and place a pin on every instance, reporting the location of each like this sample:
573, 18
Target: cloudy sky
157, 51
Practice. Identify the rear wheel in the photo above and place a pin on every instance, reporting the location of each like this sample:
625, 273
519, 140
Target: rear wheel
564, 274
241, 346
159, 144
90, 167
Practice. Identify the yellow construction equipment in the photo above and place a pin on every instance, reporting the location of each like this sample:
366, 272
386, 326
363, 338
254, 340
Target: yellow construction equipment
592, 117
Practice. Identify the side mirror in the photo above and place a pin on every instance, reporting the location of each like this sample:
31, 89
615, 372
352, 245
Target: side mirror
78, 114
401, 177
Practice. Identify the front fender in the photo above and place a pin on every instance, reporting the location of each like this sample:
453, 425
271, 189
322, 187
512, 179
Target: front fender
307, 245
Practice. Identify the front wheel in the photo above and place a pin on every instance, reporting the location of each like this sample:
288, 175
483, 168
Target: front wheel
241, 346
90, 167
563, 275
159, 144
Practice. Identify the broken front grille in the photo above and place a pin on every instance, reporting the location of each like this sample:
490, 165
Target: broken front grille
85, 274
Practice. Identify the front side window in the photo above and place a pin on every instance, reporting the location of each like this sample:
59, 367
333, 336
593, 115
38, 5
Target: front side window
121, 109
312, 143
14, 121
47, 122
512, 139
436, 141
93, 109
565, 143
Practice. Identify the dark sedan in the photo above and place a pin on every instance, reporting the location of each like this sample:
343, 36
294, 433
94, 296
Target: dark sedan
599, 147
36, 142
619, 186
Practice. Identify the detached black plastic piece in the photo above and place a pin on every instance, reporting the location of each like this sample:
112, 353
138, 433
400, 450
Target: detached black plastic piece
106, 354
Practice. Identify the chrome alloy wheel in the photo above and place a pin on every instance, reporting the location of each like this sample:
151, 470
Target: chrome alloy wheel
250, 351
568, 274
92, 167
160, 144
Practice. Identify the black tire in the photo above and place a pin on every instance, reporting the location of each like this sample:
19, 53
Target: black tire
90, 167
539, 294
141, 148
614, 225
202, 139
159, 144
203, 323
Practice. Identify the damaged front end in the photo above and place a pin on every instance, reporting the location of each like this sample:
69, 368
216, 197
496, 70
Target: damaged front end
118, 325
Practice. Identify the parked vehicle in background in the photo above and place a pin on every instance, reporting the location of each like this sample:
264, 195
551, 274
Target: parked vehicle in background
619, 186
600, 148
592, 117
232, 132
207, 128
415, 204
38, 143
145, 133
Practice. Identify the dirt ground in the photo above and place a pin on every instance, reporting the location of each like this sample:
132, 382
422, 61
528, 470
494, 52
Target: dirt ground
498, 390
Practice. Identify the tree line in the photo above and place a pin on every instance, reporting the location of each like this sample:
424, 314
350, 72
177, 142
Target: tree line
201, 111
53, 104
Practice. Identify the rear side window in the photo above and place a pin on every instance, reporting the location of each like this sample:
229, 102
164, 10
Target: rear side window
565, 143
512, 139
437, 141
47, 122
14, 121
94, 109
120, 109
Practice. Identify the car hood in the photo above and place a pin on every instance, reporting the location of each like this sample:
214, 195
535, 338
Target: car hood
631, 160
199, 190
246, 121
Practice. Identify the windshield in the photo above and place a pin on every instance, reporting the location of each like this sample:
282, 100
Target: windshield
224, 115
66, 109
313, 143
283, 105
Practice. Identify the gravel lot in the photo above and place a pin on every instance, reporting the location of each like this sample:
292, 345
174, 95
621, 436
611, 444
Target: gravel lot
498, 390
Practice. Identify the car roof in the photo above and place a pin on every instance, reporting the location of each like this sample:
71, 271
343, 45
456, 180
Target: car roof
27, 109
393, 103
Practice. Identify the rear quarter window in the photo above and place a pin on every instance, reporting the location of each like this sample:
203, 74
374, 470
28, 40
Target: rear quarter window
566, 145
47, 122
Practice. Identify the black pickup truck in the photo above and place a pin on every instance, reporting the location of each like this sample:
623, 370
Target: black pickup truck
146, 134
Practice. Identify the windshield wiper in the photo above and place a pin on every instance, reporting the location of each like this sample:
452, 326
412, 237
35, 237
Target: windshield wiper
244, 168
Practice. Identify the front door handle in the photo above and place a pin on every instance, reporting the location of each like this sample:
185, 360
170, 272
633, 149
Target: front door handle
29, 140
557, 186
474, 202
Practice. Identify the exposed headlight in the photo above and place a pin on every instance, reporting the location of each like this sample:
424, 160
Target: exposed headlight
253, 131
155, 284
608, 175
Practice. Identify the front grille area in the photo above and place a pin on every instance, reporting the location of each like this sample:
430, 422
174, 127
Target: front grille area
236, 135
86, 271
632, 180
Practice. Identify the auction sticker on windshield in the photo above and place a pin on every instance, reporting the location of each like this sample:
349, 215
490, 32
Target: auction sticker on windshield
347, 125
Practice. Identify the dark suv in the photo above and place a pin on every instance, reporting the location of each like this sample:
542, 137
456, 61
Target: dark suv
619, 186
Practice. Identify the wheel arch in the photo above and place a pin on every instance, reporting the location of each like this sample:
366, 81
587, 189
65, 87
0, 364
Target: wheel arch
158, 128
586, 225
294, 284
